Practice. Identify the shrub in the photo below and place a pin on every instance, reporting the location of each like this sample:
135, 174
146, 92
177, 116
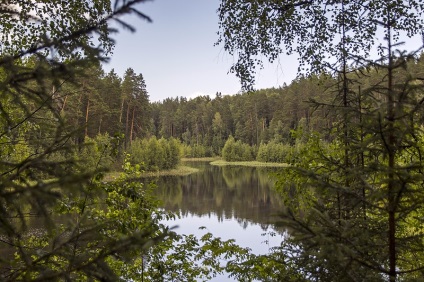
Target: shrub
274, 152
96, 154
196, 151
152, 154
237, 151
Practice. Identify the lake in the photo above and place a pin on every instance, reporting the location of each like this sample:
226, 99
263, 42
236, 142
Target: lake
231, 202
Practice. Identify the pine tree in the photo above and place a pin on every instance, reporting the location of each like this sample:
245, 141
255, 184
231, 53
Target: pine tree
134, 106
54, 224
352, 202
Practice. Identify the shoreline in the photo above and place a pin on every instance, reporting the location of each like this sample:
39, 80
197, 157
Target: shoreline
183, 170
248, 163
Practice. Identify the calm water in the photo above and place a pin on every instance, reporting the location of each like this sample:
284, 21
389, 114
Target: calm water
231, 202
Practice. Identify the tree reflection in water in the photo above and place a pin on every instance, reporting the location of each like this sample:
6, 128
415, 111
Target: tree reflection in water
244, 194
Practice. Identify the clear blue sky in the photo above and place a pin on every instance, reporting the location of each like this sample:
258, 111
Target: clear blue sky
176, 55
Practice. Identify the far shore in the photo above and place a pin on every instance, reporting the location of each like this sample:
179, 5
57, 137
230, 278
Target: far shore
220, 162
182, 170
205, 159
248, 163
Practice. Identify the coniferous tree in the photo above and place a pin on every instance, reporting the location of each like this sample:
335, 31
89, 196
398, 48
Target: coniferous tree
356, 198
77, 234
135, 110
111, 93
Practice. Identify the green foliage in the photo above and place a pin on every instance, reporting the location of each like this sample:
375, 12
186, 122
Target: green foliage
196, 151
344, 198
103, 226
260, 30
152, 154
350, 201
55, 224
237, 151
275, 266
171, 149
188, 258
135, 108
274, 152
354, 193
97, 154
253, 117
28, 25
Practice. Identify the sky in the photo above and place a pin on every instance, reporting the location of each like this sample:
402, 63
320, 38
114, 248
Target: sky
176, 53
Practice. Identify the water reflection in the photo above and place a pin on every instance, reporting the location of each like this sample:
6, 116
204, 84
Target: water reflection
241, 193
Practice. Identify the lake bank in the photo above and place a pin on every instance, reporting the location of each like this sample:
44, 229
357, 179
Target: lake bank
247, 163
205, 159
183, 170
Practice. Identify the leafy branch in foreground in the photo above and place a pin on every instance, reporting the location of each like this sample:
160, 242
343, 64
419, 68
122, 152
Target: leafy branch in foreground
358, 197
54, 218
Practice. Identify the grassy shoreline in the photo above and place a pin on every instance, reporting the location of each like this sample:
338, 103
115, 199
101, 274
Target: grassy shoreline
181, 170
247, 163
205, 159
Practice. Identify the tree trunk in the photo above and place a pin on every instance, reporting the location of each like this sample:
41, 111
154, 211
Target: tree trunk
121, 111
126, 125
391, 191
362, 156
132, 125
100, 125
64, 104
86, 117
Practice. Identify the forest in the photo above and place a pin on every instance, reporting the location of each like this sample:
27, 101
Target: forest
105, 104
349, 128
268, 125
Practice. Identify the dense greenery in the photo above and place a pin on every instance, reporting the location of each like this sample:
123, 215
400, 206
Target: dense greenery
237, 151
57, 220
354, 191
106, 104
96, 103
252, 117
275, 152
63, 123
59, 130
152, 154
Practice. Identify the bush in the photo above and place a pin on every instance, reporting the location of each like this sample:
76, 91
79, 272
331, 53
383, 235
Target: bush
152, 154
196, 151
234, 151
274, 152
171, 149
96, 154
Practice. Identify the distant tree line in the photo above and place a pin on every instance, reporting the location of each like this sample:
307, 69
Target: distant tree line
116, 111
253, 117
265, 125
